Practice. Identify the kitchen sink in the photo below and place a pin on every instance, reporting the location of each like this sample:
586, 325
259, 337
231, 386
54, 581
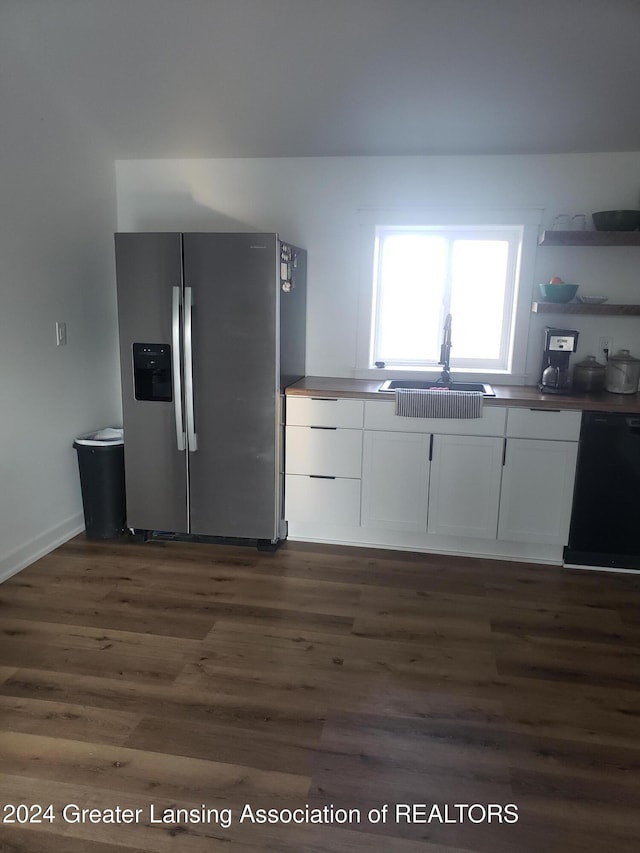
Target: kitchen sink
391, 385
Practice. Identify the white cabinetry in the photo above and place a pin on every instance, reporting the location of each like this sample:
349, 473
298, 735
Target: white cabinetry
325, 411
324, 460
551, 424
324, 451
395, 480
456, 494
538, 476
464, 492
322, 500
499, 485
382, 416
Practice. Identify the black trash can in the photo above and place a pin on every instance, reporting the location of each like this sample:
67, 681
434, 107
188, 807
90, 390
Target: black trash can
101, 465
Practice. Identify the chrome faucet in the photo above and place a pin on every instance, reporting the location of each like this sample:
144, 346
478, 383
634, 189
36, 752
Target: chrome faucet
445, 353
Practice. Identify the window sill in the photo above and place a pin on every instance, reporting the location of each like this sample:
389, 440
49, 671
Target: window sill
500, 377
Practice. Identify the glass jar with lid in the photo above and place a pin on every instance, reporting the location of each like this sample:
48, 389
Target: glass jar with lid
623, 373
588, 375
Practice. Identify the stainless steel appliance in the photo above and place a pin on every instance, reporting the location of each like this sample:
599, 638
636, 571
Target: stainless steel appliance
212, 329
555, 377
604, 520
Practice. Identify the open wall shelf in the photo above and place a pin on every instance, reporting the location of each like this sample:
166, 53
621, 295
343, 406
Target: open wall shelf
579, 308
589, 238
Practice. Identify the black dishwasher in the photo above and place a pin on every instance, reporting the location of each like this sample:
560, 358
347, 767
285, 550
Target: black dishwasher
605, 528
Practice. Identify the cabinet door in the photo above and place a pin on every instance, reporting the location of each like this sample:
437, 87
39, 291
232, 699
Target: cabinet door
464, 493
537, 491
395, 480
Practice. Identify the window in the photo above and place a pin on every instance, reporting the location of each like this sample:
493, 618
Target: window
423, 273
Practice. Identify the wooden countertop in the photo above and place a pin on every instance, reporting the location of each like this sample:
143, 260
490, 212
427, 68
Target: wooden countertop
526, 396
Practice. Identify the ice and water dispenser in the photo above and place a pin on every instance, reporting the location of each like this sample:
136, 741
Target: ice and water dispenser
152, 372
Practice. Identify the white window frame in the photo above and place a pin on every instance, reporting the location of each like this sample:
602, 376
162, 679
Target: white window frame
475, 221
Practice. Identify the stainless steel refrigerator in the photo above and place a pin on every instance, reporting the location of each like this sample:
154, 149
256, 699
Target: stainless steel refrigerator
212, 329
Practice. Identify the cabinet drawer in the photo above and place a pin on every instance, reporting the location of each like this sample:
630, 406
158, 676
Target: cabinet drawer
382, 416
325, 411
325, 451
322, 500
543, 423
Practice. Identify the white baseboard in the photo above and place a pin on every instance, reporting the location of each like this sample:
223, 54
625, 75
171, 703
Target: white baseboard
14, 562
526, 552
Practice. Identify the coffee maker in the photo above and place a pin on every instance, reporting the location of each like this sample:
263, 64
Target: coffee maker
558, 346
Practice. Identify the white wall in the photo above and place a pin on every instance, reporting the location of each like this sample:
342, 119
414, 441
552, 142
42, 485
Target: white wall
57, 217
316, 202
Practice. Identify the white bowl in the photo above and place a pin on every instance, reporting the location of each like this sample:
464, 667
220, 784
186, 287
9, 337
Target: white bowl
592, 300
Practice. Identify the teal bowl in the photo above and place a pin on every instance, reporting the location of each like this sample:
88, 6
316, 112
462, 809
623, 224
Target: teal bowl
558, 292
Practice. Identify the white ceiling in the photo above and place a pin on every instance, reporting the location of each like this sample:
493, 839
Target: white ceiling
212, 78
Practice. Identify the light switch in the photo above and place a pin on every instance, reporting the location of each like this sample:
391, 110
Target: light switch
61, 334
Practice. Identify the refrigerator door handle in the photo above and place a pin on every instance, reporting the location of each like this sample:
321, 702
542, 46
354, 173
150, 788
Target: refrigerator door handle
175, 357
192, 438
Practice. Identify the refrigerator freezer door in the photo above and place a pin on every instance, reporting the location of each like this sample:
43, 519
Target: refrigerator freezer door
234, 471
148, 269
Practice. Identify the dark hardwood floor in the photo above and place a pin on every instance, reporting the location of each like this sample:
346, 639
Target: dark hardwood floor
161, 677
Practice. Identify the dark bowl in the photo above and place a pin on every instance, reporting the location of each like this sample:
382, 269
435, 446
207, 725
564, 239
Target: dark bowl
616, 220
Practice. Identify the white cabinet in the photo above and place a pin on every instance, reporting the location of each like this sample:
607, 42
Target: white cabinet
537, 490
464, 492
395, 480
538, 475
551, 424
456, 494
325, 411
382, 416
322, 500
324, 451
323, 460
499, 484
